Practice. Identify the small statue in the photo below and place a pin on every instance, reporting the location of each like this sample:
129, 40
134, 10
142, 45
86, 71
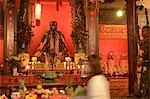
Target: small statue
59, 62
3, 97
25, 58
124, 63
103, 64
112, 64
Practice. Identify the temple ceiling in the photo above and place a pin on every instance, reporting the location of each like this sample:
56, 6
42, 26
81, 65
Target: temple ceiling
116, 3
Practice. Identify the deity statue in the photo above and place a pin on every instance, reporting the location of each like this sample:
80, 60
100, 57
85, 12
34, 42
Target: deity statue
25, 58
112, 64
59, 62
124, 63
103, 64
52, 43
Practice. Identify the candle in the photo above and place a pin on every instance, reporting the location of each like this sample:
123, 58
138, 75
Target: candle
65, 64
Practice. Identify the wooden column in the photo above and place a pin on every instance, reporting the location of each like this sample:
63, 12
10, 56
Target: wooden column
86, 3
9, 30
132, 47
93, 40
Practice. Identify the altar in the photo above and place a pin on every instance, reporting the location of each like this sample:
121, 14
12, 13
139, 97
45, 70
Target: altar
118, 86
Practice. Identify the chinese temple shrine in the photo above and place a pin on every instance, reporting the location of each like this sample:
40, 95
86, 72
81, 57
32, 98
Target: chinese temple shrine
45, 47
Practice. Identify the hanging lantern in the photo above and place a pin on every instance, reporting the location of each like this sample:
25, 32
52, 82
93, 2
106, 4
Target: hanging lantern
38, 12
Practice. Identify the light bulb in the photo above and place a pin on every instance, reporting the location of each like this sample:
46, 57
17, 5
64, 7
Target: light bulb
119, 13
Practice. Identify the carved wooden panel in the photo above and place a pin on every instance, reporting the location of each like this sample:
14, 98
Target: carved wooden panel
113, 32
10, 30
92, 31
118, 86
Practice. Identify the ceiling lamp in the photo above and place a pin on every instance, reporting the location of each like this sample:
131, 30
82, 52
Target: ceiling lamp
120, 13
38, 12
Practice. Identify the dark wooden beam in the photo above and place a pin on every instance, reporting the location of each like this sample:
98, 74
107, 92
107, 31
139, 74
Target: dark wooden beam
53, 0
109, 1
132, 46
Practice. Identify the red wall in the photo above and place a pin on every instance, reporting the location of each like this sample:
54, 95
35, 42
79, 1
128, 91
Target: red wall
117, 46
63, 18
1, 52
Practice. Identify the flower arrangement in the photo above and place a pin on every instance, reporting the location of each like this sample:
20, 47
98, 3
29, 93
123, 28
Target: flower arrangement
14, 61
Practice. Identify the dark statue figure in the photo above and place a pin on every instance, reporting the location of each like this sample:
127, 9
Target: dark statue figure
52, 43
145, 43
144, 87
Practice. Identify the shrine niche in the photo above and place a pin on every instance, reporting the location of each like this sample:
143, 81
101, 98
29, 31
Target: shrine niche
71, 31
113, 38
59, 16
113, 47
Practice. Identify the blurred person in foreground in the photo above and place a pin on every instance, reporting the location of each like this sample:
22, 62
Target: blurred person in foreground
98, 85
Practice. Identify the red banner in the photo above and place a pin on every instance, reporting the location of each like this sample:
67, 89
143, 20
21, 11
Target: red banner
92, 31
10, 31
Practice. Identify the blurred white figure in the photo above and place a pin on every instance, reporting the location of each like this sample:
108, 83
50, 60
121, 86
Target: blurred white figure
98, 86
